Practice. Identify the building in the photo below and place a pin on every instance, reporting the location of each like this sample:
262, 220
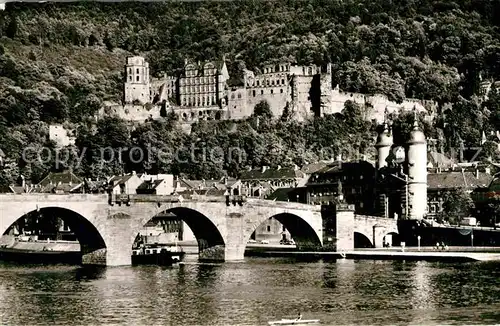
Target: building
440, 182
137, 81
201, 92
159, 184
402, 175
486, 86
124, 184
354, 180
264, 181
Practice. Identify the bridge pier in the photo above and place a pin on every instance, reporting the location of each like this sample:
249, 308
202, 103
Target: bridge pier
378, 236
338, 227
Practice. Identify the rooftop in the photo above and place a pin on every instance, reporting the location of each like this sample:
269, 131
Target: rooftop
272, 173
448, 180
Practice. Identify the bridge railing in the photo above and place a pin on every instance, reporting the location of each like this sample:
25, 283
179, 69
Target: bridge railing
134, 198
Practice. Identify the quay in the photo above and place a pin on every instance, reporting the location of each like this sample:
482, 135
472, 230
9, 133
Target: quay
414, 254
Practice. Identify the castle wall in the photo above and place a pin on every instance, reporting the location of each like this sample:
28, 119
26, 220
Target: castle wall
163, 89
237, 104
132, 112
276, 96
376, 104
194, 114
302, 95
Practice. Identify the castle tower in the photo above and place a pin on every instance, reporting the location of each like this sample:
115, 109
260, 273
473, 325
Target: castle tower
417, 173
383, 146
137, 84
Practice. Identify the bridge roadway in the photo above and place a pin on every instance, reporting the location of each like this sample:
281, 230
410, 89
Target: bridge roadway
106, 226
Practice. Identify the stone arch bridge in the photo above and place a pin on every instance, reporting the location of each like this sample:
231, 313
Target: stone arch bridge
106, 227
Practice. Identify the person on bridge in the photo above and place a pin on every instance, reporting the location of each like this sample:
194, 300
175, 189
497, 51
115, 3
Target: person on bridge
299, 317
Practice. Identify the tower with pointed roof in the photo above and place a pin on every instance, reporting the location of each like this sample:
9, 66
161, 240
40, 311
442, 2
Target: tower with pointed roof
384, 144
417, 172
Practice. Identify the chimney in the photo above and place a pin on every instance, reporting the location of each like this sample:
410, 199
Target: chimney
477, 173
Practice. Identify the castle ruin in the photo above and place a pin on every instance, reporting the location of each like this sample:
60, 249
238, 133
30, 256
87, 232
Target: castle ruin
201, 92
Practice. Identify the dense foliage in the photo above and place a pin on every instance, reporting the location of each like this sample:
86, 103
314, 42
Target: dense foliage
60, 61
457, 204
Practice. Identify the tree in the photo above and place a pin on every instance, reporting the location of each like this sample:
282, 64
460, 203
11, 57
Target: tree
457, 204
262, 109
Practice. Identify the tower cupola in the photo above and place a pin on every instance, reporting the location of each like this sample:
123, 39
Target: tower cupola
384, 144
417, 136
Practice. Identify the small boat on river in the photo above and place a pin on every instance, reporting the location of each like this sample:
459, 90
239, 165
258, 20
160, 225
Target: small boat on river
294, 322
157, 255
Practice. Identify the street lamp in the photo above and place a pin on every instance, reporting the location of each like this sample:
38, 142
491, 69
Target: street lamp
418, 239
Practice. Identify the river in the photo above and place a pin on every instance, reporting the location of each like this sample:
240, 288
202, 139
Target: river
252, 292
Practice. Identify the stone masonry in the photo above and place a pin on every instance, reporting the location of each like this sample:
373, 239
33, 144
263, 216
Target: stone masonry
107, 228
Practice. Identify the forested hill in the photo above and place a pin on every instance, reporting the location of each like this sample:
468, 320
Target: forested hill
59, 61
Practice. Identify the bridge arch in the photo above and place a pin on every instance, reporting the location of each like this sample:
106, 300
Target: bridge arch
300, 229
361, 240
392, 238
211, 244
92, 243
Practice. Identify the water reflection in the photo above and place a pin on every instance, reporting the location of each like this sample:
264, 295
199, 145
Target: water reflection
252, 293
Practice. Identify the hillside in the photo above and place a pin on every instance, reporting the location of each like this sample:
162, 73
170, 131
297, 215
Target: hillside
60, 61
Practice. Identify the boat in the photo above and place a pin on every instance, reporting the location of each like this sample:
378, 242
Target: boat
294, 322
156, 254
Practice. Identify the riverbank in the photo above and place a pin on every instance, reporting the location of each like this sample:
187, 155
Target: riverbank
382, 255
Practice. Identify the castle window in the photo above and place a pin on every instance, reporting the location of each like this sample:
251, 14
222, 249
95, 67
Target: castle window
239, 95
283, 81
137, 78
281, 90
130, 78
272, 91
262, 92
129, 71
253, 93
272, 82
232, 96
137, 70
258, 82
267, 82
309, 71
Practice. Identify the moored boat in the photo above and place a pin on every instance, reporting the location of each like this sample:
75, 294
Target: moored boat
157, 255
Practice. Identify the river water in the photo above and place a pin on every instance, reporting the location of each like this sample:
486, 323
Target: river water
253, 292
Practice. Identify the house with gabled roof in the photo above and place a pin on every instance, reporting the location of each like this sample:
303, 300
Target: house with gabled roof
156, 184
124, 184
61, 183
438, 183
